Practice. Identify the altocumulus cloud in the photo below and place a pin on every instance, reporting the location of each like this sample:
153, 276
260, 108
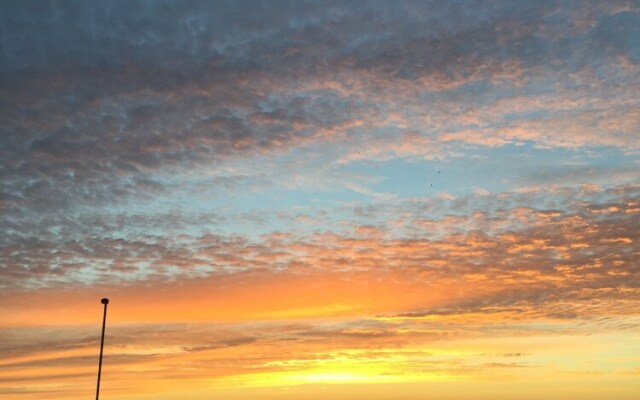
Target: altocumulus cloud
126, 96
248, 159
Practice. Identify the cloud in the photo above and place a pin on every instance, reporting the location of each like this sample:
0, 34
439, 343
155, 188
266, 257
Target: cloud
247, 353
144, 145
131, 97
518, 255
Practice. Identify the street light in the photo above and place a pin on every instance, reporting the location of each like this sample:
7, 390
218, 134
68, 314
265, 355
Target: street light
104, 301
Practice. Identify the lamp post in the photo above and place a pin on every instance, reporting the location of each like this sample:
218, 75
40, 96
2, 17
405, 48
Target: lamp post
104, 301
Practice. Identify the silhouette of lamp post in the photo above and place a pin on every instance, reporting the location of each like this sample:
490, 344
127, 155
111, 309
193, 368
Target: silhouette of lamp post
104, 301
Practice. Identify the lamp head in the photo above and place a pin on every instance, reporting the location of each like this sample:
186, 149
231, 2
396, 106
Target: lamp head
104, 301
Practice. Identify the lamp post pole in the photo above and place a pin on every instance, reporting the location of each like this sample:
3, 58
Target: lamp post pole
104, 301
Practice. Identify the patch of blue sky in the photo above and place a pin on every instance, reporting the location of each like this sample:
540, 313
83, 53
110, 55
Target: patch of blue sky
244, 211
253, 210
492, 169
278, 210
267, 210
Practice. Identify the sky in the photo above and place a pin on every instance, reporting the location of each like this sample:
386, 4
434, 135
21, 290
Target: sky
315, 199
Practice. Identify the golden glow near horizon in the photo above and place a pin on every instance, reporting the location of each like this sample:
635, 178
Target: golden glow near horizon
319, 200
309, 356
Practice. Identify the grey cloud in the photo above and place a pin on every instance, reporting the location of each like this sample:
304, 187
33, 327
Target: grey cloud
580, 174
127, 90
79, 361
40, 377
113, 103
617, 34
18, 342
555, 233
151, 32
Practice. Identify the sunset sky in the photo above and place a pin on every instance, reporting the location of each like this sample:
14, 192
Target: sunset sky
350, 200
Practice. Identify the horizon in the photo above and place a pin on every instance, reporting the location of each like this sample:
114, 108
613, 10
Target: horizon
320, 199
